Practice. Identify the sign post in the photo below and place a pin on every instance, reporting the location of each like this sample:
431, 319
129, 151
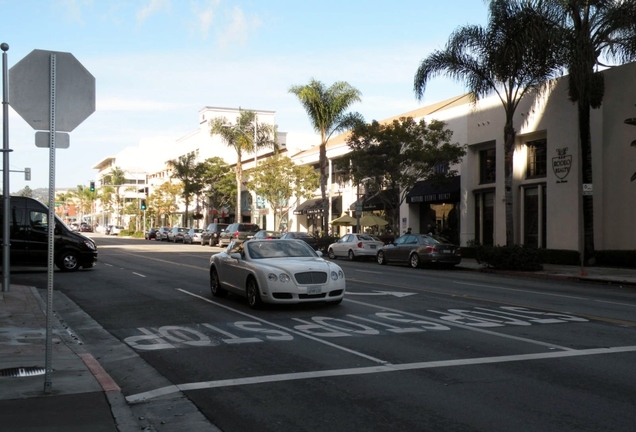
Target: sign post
53, 92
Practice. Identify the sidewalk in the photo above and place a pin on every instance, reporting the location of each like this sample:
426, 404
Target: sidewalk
84, 398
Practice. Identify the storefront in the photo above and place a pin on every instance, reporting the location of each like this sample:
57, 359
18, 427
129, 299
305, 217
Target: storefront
437, 204
313, 210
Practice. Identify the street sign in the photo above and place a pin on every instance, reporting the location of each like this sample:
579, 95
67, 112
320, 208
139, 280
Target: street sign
43, 139
30, 90
588, 189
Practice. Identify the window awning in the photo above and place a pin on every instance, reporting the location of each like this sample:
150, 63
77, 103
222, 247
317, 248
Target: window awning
383, 200
316, 206
435, 192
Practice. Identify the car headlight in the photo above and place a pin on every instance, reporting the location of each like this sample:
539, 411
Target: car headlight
341, 274
334, 275
284, 278
90, 244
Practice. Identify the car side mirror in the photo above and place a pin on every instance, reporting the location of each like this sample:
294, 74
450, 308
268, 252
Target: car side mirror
236, 256
319, 253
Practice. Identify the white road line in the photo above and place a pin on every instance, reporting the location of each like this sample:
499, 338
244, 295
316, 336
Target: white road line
519, 290
616, 303
140, 397
138, 274
369, 271
462, 326
296, 332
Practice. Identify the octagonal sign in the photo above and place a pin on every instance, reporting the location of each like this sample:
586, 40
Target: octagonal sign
30, 90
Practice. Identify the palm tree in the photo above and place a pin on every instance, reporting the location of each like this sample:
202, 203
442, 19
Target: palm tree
115, 179
246, 136
506, 58
326, 110
594, 28
186, 169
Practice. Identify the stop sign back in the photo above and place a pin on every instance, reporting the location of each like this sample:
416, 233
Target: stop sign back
30, 90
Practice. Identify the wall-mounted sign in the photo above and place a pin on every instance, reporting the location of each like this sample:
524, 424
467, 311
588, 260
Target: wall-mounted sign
561, 164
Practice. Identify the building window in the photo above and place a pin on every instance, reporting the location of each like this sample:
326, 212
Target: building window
534, 216
485, 218
487, 166
537, 158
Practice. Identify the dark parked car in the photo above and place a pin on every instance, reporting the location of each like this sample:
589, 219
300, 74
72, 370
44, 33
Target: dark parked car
151, 234
418, 249
85, 227
306, 237
210, 236
176, 234
238, 232
266, 235
162, 234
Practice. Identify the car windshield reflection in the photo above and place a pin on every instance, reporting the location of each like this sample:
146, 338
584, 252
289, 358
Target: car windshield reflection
279, 249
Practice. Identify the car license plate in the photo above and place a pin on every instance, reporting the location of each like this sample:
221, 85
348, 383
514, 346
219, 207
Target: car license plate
373, 246
314, 290
446, 251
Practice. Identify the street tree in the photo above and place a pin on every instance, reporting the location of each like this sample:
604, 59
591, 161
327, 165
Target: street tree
597, 32
116, 178
26, 192
394, 156
164, 201
189, 172
507, 58
327, 110
246, 136
220, 183
278, 179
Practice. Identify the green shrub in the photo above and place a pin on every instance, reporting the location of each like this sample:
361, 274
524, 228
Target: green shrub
514, 257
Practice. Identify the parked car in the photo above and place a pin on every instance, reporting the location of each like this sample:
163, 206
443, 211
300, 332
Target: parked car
418, 249
176, 234
74, 226
162, 233
210, 235
85, 227
115, 229
276, 271
266, 235
354, 246
193, 235
237, 232
306, 237
151, 233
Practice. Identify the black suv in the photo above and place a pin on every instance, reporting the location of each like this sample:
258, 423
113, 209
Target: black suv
210, 236
238, 232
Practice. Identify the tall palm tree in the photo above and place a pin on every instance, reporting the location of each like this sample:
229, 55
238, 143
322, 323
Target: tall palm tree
326, 108
245, 136
507, 58
595, 29
186, 169
115, 179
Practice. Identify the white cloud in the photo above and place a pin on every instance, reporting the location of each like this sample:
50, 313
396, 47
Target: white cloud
152, 7
238, 30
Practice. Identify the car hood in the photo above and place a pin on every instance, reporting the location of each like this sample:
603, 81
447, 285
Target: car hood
293, 265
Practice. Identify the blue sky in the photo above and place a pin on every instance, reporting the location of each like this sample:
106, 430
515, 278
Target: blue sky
158, 62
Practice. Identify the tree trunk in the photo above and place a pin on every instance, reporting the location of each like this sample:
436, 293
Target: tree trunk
509, 145
323, 185
239, 181
586, 167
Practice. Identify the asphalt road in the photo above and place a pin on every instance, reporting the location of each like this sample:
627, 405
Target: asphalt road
407, 350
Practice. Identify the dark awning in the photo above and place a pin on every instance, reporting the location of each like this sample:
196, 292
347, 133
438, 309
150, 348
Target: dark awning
435, 192
383, 200
316, 206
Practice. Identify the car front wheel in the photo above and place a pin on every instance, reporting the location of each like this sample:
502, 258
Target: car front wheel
380, 258
68, 262
215, 284
332, 255
351, 255
253, 295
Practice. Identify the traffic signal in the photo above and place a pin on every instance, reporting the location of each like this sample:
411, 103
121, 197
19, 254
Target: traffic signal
92, 186
143, 204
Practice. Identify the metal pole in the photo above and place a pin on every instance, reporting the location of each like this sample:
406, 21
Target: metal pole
51, 232
255, 165
6, 194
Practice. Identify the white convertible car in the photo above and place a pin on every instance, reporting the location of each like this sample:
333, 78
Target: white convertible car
276, 271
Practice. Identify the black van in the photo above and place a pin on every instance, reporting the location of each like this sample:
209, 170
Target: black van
28, 227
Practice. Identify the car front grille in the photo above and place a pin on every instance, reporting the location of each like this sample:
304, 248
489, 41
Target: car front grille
311, 278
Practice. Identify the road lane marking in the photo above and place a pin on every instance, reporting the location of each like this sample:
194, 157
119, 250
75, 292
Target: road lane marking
465, 327
296, 332
520, 290
138, 274
369, 271
382, 293
232, 382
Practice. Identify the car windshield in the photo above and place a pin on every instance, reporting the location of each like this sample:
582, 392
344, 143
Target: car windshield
365, 237
279, 249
